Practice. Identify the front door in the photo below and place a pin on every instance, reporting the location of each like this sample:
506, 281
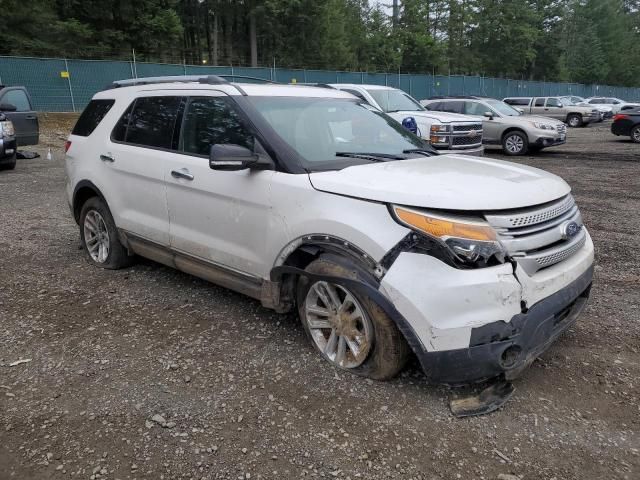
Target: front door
218, 216
555, 109
25, 119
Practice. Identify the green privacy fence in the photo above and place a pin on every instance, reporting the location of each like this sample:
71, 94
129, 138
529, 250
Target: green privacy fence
54, 91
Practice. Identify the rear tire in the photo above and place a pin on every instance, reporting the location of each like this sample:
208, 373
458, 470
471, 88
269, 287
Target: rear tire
515, 143
574, 120
355, 334
635, 134
99, 236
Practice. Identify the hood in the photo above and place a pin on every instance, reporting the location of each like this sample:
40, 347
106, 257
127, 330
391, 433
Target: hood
444, 117
450, 182
535, 118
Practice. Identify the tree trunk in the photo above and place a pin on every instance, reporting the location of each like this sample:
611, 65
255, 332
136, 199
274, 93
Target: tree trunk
216, 28
253, 39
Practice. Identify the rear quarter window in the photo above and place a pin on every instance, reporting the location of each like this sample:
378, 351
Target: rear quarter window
91, 117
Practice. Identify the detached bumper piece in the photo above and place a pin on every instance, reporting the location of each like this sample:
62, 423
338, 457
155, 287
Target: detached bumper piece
481, 399
503, 349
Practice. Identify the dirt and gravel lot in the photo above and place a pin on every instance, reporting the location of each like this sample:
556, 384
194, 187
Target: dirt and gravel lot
151, 373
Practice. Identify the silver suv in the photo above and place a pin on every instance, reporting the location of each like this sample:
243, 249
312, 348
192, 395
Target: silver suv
503, 125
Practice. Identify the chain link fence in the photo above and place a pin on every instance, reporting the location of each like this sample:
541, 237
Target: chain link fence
61, 85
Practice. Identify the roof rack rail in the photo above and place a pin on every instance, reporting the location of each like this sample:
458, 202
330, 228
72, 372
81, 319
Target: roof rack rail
247, 77
314, 84
206, 79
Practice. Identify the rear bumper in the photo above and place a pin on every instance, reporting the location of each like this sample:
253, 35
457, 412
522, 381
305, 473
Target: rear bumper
621, 128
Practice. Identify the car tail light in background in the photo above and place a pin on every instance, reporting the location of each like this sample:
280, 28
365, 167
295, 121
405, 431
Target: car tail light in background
620, 116
67, 146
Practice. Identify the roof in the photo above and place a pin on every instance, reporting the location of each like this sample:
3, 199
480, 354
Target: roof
360, 85
230, 88
459, 97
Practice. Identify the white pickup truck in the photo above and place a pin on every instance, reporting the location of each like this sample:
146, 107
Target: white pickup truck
447, 132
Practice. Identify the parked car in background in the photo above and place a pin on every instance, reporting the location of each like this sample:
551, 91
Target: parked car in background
627, 123
312, 201
572, 115
605, 111
7, 144
614, 103
503, 125
16, 104
447, 132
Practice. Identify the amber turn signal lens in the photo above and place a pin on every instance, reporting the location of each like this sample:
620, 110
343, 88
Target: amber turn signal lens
443, 228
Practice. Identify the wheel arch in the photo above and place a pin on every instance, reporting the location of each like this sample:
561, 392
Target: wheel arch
84, 190
511, 130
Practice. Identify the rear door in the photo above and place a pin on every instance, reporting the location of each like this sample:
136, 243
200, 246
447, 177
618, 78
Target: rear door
134, 163
538, 106
25, 119
219, 216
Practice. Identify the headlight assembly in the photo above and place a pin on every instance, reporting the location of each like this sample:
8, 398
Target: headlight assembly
543, 126
472, 242
6, 129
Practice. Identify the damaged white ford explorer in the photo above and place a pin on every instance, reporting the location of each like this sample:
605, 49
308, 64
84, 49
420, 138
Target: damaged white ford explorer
309, 199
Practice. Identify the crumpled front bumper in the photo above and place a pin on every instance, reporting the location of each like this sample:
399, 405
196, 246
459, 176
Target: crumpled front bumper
472, 325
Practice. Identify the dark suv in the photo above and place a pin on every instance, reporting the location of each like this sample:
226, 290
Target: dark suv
16, 105
627, 123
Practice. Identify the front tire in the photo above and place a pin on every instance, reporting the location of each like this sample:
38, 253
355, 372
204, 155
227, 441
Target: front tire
349, 330
9, 166
635, 134
515, 143
574, 120
99, 236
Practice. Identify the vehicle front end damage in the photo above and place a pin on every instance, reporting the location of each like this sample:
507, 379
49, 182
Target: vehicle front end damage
476, 322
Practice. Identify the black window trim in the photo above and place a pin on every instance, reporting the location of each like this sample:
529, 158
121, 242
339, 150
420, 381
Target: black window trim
112, 103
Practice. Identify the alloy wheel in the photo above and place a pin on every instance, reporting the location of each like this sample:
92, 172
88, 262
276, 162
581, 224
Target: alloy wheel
514, 144
96, 236
339, 326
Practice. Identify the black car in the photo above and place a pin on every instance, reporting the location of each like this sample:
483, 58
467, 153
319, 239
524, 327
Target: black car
7, 144
627, 123
16, 104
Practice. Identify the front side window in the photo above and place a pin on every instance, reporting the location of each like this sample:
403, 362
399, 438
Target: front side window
324, 131
18, 99
395, 101
553, 102
475, 108
151, 122
212, 120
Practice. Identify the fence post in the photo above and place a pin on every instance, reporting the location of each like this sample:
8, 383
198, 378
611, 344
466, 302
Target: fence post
66, 68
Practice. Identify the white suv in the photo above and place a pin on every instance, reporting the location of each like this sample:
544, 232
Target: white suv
306, 198
447, 132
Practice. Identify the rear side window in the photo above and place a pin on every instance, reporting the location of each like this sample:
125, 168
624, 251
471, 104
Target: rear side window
212, 120
539, 102
150, 122
452, 107
355, 93
521, 102
435, 106
91, 117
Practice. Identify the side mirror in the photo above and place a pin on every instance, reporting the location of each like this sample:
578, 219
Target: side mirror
488, 114
232, 157
7, 107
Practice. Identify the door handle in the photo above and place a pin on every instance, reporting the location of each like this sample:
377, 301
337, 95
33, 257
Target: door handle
31, 117
182, 173
107, 158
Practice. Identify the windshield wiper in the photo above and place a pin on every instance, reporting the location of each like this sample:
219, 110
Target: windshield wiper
424, 151
374, 157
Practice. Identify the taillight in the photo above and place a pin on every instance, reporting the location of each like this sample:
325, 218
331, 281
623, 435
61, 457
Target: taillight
620, 116
67, 146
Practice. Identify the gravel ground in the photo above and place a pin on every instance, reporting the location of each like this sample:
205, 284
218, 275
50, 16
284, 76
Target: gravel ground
151, 373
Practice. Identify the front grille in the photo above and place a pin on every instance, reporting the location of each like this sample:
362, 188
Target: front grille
466, 140
535, 237
467, 127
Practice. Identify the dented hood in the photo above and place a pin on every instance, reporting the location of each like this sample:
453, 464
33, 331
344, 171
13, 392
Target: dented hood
453, 182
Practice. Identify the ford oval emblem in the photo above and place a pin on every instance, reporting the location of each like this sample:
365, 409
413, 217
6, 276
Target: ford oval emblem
570, 229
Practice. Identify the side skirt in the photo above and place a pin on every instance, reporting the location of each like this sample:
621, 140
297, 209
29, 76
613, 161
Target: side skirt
254, 287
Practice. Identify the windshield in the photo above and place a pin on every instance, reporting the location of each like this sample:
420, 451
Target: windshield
567, 101
326, 131
503, 108
395, 100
